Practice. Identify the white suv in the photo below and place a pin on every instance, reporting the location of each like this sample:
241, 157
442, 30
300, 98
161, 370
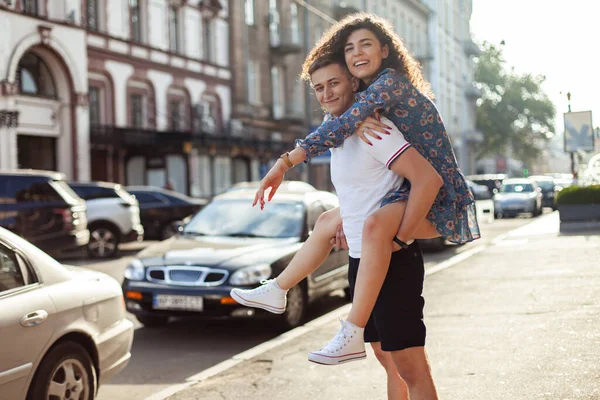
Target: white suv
113, 217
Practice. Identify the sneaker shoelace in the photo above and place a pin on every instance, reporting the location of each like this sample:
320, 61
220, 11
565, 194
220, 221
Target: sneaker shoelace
265, 287
339, 341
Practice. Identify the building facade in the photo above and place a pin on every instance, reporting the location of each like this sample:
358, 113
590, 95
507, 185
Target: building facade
131, 91
44, 119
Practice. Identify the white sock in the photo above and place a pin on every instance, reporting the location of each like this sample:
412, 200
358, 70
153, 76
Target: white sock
276, 285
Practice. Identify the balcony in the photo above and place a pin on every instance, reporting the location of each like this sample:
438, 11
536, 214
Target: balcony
472, 92
142, 139
285, 40
471, 48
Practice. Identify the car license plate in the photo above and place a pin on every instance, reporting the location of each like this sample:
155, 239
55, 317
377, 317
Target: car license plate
169, 302
514, 207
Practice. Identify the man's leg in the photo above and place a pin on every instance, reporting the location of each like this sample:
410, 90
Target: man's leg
272, 295
396, 387
413, 366
377, 246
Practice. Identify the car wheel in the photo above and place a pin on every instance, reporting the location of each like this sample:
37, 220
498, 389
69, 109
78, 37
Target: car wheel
152, 321
169, 229
295, 311
104, 242
66, 372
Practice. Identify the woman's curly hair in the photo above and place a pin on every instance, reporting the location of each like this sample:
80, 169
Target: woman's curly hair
400, 59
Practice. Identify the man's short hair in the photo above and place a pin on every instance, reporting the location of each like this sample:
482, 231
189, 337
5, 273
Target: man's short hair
327, 60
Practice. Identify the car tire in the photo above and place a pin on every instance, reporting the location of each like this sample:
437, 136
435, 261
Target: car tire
169, 229
104, 242
295, 311
55, 367
152, 321
347, 294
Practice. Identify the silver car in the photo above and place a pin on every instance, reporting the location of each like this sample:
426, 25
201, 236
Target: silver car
518, 195
63, 331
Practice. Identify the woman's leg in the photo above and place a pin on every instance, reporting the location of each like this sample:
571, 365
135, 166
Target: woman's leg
396, 387
313, 252
377, 247
272, 295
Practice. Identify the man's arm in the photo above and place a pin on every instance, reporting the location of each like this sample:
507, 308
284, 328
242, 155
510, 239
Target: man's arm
401, 158
388, 90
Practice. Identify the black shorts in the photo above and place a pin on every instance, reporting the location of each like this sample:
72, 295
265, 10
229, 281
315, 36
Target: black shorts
397, 319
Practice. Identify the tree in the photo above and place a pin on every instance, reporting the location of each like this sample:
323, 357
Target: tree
513, 111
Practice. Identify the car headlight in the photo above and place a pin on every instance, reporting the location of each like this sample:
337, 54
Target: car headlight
135, 271
251, 275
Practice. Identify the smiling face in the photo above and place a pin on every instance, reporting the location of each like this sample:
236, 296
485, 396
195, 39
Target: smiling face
364, 54
334, 88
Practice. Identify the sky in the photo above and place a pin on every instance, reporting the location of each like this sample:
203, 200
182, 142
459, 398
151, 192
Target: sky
558, 39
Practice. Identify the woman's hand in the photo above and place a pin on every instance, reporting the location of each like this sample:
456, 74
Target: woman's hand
371, 126
272, 180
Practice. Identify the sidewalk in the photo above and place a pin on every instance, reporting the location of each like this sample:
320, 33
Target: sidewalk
519, 320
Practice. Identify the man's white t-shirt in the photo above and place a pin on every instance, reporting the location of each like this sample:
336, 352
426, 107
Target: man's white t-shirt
361, 176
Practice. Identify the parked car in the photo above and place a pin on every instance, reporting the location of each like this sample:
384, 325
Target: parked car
113, 217
63, 331
492, 181
518, 196
42, 208
231, 244
163, 211
484, 202
549, 190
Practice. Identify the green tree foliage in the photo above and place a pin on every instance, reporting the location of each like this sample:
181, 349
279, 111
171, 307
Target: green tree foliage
513, 111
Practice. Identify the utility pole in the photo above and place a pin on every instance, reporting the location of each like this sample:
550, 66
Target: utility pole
307, 102
573, 172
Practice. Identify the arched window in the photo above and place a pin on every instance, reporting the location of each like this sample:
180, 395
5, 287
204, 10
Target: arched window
34, 77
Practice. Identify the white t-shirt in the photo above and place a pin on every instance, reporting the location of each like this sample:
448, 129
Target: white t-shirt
361, 176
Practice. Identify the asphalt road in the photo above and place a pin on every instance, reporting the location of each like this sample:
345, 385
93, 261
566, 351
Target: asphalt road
162, 357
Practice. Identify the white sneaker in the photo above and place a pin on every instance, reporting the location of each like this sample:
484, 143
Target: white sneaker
269, 296
347, 345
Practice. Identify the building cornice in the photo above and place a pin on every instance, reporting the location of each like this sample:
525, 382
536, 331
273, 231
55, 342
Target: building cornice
419, 6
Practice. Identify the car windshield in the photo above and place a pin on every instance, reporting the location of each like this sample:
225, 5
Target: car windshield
516, 188
546, 185
239, 218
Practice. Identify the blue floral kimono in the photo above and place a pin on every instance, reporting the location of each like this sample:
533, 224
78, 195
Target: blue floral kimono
392, 94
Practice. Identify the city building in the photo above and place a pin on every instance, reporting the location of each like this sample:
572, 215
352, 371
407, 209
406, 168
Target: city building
130, 91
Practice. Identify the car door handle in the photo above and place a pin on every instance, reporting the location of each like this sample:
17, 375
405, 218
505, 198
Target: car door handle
34, 318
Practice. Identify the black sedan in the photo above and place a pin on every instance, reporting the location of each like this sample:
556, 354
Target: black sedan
231, 244
162, 211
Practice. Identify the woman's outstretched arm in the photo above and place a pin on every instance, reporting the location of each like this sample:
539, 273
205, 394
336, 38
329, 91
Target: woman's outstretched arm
388, 90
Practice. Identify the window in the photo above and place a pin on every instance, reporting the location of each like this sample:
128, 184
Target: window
137, 110
174, 30
10, 272
92, 15
34, 190
295, 24
94, 97
253, 81
136, 23
207, 35
145, 197
34, 77
278, 96
203, 118
95, 192
249, 12
30, 7
176, 116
